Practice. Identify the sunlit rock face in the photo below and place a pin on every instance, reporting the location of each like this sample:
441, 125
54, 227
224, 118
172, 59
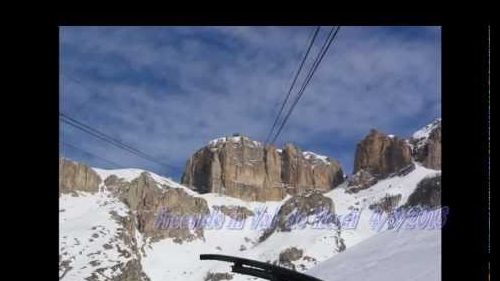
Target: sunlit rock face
75, 176
381, 155
246, 169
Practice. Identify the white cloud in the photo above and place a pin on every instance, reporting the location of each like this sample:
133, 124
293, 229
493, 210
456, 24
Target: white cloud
233, 78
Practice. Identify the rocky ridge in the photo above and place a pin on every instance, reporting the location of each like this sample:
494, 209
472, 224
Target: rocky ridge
252, 172
246, 169
144, 199
77, 176
380, 155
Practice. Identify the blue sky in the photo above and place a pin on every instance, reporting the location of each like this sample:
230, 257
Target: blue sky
169, 90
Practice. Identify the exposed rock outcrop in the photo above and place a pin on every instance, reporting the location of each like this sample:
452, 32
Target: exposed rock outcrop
305, 170
131, 271
246, 169
294, 212
386, 204
235, 212
288, 256
161, 212
427, 194
380, 154
361, 180
74, 176
427, 145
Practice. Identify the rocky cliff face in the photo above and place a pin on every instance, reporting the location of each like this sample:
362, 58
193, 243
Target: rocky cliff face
147, 199
77, 176
427, 145
143, 195
307, 170
361, 180
295, 214
246, 169
381, 154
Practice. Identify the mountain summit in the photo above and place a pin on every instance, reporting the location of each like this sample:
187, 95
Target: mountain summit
131, 224
243, 168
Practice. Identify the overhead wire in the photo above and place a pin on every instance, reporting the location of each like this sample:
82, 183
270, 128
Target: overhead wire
110, 140
306, 54
324, 49
91, 154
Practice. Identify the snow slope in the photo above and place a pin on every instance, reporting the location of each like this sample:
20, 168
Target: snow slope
166, 260
88, 235
406, 255
344, 202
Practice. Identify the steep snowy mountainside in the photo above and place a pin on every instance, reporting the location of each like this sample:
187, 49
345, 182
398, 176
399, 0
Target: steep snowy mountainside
396, 186
92, 241
317, 244
120, 249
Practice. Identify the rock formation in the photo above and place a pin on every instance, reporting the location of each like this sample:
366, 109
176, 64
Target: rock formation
149, 201
75, 176
288, 256
386, 204
427, 145
361, 180
242, 168
427, 194
294, 212
145, 198
234, 212
246, 169
305, 170
381, 154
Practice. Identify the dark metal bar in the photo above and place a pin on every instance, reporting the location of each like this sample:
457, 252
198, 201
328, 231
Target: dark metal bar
260, 269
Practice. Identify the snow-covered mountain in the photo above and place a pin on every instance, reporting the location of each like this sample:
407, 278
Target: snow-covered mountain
113, 227
93, 235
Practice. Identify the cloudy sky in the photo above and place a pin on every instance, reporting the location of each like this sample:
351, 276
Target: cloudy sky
167, 91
